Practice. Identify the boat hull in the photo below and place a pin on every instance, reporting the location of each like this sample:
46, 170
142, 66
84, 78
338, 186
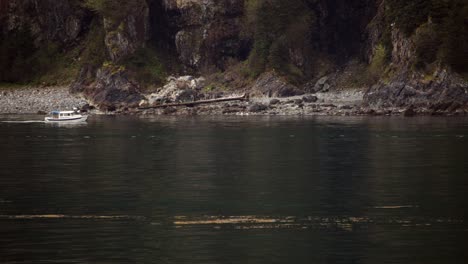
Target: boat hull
68, 119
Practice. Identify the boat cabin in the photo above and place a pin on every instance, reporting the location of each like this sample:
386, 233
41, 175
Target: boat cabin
56, 116
61, 114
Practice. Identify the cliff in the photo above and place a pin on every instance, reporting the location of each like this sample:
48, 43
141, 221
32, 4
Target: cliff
403, 53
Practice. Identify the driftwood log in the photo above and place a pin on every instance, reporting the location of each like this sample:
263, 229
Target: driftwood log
200, 102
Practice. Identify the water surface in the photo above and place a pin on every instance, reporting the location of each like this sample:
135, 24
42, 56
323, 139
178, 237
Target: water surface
234, 190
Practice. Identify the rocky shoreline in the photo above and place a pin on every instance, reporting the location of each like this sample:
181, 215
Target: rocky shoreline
331, 103
33, 100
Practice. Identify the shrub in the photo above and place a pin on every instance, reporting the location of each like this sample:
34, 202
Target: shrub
276, 27
427, 44
378, 63
147, 67
95, 52
439, 29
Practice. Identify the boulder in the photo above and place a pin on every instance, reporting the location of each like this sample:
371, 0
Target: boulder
409, 112
274, 101
111, 90
178, 89
310, 99
322, 85
257, 107
271, 85
298, 101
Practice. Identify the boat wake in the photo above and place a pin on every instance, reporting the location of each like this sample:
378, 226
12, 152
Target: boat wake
59, 216
23, 122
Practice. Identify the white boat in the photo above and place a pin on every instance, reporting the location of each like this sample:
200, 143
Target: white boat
65, 116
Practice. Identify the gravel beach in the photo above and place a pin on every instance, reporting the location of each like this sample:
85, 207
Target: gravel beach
31, 100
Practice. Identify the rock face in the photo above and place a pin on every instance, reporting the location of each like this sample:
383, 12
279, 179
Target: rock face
208, 31
411, 88
125, 37
111, 88
443, 92
110, 91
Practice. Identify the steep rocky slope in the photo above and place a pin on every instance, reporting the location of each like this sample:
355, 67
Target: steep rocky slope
403, 53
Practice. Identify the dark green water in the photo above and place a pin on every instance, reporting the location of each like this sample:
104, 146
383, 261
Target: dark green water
235, 190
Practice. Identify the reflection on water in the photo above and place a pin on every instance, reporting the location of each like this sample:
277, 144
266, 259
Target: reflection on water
234, 190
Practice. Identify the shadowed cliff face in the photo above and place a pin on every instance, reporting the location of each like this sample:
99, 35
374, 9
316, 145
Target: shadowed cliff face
33, 34
47, 20
163, 28
3, 6
342, 27
205, 33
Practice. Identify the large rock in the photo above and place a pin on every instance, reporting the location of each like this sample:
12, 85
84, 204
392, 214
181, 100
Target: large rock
446, 91
111, 89
310, 99
181, 89
321, 85
257, 107
271, 85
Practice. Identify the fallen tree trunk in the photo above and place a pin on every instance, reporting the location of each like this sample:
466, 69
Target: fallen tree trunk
194, 103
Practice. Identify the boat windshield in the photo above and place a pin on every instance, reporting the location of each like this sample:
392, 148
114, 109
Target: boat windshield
55, 114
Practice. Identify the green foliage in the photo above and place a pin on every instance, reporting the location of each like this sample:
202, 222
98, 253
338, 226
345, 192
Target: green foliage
95, 52
439, 29
209, 88
276, 27
22, 62
427, 42
53, 66
378, 63
455, 47
147, 67
408, 14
